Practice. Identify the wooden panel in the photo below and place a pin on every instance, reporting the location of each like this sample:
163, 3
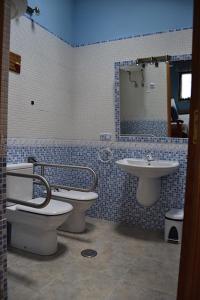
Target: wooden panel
169, 96
189, 277
4, 65
15, 63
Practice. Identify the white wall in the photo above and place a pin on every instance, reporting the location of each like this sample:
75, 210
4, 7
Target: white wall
143, 102
73, 88
93, 97
45, 78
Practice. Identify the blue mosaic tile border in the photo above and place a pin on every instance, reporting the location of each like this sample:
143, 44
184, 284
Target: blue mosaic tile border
131, 37
183, 57
117, 190
144, 127
24, 142
76, 45
126, 138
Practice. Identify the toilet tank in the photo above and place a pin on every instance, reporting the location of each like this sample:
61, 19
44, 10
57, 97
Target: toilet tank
17, 187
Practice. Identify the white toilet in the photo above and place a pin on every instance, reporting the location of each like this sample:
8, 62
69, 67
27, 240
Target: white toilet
81, 201
32, 229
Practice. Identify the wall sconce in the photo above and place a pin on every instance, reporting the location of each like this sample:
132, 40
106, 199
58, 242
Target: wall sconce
30, 11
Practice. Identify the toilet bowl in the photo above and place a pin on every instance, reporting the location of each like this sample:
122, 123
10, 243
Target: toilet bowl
81, 201
33, 230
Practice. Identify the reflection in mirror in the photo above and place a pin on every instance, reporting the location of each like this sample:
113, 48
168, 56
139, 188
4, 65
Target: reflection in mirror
181, 78
154, 102
143, 100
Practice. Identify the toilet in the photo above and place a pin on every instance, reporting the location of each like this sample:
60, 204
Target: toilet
32, 229
81, 201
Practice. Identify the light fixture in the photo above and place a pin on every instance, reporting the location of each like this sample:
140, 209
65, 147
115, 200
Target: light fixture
30, 11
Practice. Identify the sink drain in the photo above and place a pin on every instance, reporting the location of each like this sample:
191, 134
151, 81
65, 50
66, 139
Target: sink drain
89, 253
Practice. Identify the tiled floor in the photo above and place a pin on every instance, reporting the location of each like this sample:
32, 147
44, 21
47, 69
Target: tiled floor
131, 265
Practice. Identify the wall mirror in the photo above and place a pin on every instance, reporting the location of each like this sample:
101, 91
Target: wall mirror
153, 97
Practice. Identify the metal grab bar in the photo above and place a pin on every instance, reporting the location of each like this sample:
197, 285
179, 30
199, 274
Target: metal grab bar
57, 186
36, 177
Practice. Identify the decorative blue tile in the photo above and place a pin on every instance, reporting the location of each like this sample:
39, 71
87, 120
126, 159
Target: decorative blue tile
78, 45
144, 127
117, 190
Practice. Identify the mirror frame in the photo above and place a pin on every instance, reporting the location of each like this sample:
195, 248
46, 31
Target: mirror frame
138, 138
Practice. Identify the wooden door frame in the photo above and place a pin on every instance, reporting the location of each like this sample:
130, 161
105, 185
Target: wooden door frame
169, 96
4, 69
189, 276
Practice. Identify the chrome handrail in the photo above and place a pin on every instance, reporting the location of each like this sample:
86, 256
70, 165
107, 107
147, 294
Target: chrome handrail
36, 177
57, 186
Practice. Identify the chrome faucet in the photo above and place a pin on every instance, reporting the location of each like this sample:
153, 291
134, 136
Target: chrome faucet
149, 158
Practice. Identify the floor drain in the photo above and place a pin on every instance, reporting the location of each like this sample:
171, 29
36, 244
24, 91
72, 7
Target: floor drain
89, 253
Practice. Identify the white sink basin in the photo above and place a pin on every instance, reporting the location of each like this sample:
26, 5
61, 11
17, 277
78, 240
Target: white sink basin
155, 169
149, 173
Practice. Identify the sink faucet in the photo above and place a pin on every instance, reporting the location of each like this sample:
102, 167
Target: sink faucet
149, 158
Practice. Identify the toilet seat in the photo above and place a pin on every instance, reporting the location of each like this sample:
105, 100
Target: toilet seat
33, 229
75, 195
54, 208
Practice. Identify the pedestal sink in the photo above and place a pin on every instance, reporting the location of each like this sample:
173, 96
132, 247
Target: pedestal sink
149, 173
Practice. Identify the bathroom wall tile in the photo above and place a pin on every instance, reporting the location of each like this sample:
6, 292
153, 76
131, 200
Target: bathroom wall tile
94, 95
5, 7
154, 128
82, 85
117, 190
45, 78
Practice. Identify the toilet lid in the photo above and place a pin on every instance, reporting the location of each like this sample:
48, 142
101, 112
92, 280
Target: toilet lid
175, 214
54, 207
75, 195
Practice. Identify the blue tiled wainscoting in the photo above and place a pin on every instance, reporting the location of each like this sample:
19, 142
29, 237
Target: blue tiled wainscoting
150, 127
117, 190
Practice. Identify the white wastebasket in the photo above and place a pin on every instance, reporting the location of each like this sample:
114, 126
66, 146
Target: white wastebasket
173, 225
